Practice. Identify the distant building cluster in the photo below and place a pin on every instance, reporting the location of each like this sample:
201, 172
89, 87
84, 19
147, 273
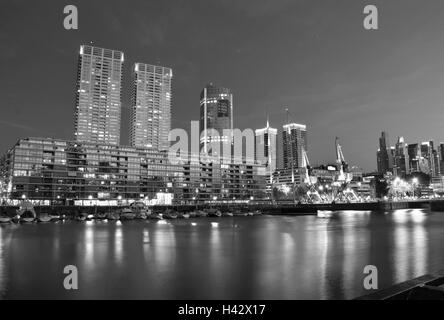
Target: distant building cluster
405, 158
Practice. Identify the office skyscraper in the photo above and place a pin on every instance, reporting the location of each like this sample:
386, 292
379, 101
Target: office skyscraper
151, 106
294, 138
401, 159
265, 147
216, 112
429, 159
384, 154
98, 97
441, 158
414, 154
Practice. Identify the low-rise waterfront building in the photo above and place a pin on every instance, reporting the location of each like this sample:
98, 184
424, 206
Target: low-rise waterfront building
52, 171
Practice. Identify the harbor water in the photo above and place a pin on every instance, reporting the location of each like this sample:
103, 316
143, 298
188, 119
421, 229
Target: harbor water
261, 257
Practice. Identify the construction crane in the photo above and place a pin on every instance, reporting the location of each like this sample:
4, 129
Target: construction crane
342, 184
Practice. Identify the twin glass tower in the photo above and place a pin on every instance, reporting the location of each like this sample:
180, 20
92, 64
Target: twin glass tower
99, 100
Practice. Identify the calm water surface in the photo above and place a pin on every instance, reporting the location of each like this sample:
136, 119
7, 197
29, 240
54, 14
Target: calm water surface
220, 258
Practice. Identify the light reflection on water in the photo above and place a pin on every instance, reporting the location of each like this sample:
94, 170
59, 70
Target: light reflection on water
411, 243
227, 258
2, 264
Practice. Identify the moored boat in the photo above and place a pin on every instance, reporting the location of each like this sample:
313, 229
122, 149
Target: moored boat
44, 218
201, 213
140, 210
155, 216
141, 215
227, 214
5, 219
179, 215
27, 217
99, 216
186, 216
127, 214
26, 212
193, 214
55, 217
239, 213
112, 216
81, 216
214, 213
169, 214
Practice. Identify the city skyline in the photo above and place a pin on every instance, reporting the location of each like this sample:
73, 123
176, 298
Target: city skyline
364, 85
408, 157
221, 150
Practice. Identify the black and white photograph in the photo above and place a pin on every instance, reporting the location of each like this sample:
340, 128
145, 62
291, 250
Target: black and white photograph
222, 155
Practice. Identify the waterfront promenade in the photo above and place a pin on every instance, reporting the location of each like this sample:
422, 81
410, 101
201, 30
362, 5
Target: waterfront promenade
282, 208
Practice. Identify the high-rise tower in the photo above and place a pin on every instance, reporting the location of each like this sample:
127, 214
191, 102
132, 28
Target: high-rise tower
294, 139
265, 147
216, 112
151, 106
98, 97
383, 155
401, 159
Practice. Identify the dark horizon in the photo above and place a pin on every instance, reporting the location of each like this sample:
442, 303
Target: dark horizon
313, 57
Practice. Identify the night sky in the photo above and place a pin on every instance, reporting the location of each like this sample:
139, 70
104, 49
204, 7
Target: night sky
312, 56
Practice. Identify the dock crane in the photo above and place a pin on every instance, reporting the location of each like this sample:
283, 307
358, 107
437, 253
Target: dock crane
312, 194
343, 190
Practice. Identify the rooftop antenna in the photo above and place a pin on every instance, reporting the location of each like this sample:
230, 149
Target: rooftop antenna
288, 114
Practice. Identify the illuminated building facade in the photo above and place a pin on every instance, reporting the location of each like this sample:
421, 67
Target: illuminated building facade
216, 113
401, 159
294, 140
98, 96
265, 147
384, 154
44, 169
441, 158
151, 110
